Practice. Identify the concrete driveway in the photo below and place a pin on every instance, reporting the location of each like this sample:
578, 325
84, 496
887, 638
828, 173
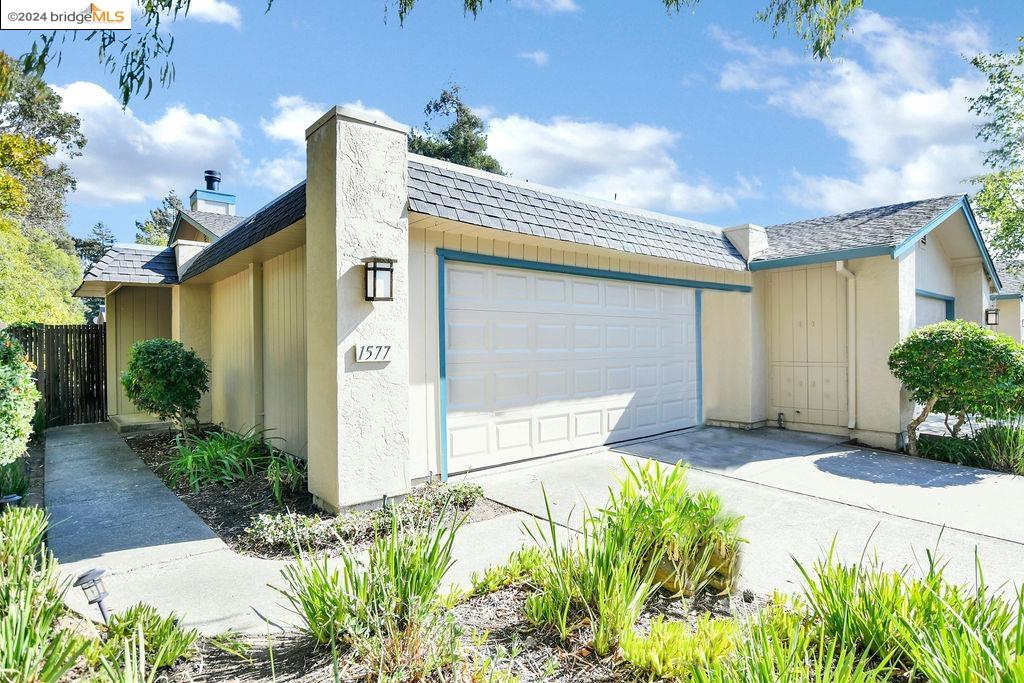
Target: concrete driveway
800, 491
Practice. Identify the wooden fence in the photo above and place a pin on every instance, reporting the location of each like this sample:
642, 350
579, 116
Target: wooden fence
71, 362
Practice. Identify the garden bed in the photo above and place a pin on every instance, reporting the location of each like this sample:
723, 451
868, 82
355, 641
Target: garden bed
231, 511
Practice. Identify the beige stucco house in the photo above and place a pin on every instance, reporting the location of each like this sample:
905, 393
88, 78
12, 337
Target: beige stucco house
525, 321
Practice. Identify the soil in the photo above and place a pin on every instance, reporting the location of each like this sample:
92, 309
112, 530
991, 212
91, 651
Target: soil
229, 511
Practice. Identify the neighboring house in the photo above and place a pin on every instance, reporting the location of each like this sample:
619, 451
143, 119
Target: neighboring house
1008, 301
526, 321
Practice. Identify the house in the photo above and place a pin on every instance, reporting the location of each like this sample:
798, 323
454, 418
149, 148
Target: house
1008, 301
516, 321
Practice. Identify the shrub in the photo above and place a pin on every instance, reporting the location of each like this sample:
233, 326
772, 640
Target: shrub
957, 366
674, 650
13, 478
605, 577
166, 641
294, 531
18, 396
166, 379
955, 449
698, 541
1000, 445
223, 458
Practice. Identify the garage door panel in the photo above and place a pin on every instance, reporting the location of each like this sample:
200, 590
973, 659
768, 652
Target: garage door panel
559, 362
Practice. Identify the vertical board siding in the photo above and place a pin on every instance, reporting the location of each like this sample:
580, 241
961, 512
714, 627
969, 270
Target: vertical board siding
140, 313
423, 318
807, 345
232, 384
284, 350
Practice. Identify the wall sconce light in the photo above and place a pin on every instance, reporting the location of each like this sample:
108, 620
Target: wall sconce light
991, 317
91, 583
380, 278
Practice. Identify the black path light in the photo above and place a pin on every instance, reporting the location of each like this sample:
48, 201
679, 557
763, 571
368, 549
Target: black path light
380, 278
91, 583
991, 317
10, 500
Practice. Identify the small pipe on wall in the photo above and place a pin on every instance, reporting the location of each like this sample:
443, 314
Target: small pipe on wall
851, 335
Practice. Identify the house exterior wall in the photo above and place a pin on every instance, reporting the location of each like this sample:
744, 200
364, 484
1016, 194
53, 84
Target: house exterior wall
972, 291
284, 350
190, 324
933, 269
1010, 317
233, 383
133, 314
424, 407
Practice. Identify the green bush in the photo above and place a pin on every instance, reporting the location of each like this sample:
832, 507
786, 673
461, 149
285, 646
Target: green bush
18, 396
674, 650
165, 641
959, 450
166, 379
285, 473
957, 366
1000, 445
13, 478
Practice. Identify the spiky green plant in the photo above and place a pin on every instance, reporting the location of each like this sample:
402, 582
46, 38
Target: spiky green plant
674, 650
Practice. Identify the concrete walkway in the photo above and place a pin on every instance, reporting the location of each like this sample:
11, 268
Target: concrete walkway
798, 492
109, 510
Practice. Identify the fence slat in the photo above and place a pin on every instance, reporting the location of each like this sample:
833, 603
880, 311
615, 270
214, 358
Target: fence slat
71, 370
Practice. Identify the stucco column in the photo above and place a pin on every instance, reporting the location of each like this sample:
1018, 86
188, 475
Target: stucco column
190, 324
356, 206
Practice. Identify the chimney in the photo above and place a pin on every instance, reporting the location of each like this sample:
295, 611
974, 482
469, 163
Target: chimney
212, 200
749, 239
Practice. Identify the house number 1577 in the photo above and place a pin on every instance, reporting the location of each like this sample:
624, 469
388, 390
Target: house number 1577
372, 353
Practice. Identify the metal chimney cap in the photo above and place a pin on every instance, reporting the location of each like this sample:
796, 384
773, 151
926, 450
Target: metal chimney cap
212, 179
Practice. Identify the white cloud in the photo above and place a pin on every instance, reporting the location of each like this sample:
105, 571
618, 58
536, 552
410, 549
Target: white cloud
629, 164
293, 114
538, 57
549, 6
129, 159
215, 12
908, 130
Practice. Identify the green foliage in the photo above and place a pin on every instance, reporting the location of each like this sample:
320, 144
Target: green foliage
289, 530
698, 541
957, 366
673, 650
1000, 445
36, 278
132, 667
957, 450
603, 578
285, 472
32, 645
166, 379
156, 229
463, 141
18, 396
13, 478
520, 568
167, 641
388, 612
223, 458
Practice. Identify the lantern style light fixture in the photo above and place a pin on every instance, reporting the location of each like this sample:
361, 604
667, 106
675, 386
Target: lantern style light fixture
91, 583
991, 317
380, 278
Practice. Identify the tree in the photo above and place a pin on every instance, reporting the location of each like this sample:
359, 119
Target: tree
31, 109
1001, 197
156, 229
165, 378
958, 366
142, 55
18, 396
90, 250
463, 141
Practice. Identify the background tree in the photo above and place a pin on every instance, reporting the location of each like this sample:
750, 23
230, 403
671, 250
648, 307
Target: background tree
1001, 197
463, 141
142, 55
156, 229
90, 250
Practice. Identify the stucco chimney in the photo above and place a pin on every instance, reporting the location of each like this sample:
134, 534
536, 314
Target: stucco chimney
749, 239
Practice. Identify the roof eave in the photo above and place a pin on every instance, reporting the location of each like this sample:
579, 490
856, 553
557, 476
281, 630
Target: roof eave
822, 257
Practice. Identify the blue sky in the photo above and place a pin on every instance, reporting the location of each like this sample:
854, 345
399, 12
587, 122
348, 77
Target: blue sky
701, 114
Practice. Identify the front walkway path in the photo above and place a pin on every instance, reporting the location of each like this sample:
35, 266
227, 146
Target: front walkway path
109, 510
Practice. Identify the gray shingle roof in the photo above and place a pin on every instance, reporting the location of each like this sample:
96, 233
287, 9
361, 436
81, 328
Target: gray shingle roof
882, 226
217, 223
272, 218
445, 191
1011, 273
135, 263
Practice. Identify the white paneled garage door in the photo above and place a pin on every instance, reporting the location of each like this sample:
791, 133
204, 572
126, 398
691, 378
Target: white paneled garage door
540, 363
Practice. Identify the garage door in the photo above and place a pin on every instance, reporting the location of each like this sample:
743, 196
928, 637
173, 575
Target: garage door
540, 363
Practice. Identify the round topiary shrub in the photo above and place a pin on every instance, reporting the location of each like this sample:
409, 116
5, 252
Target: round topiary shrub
961, 367
18, 396
166, 379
